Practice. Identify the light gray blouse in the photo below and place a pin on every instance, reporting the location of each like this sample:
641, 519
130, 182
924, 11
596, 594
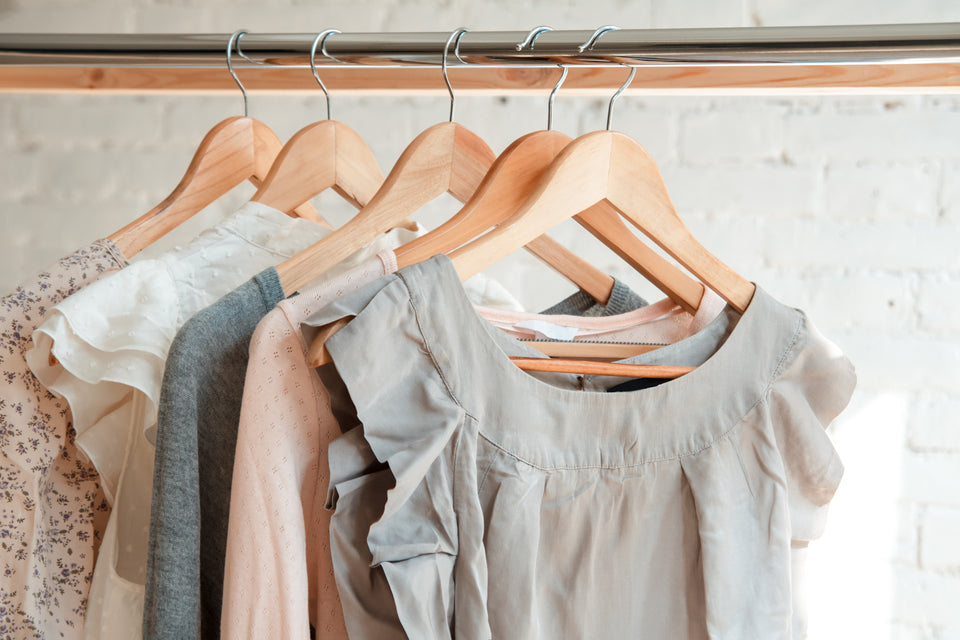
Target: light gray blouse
519, 506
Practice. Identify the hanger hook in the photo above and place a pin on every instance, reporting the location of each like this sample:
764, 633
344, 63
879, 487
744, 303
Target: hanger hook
535, 33
245, 56
321, 41
596, 36
553, 94
633, 70
531, 40
323, 48
235, 39
455, 38
613, 98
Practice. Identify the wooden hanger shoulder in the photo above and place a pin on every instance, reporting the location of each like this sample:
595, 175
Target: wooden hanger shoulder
443, 158
233, 151
509, 180
637, 188
597, 167
326, 154
564, 191
603, 221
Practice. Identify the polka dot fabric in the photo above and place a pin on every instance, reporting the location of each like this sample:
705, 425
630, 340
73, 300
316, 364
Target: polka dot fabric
279, 573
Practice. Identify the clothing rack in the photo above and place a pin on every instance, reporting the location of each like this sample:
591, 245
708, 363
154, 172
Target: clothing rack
904, 58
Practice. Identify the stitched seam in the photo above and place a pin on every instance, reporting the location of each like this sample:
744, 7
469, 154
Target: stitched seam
793, 341
250, 242
114, 252
426, 346
634, 465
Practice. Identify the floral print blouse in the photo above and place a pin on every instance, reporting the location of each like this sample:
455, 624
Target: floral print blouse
52, 508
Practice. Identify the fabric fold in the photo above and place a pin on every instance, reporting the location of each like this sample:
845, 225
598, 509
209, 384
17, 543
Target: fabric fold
409, 429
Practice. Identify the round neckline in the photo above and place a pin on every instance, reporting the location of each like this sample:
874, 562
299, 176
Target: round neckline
502, 360
707, 401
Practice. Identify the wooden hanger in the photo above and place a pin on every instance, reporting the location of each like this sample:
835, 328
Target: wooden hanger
515, 172
606, 166
233, 151
323, 155
445, 158
512, 179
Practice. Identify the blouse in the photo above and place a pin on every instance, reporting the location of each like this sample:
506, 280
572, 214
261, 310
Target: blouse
522, 506
52, 508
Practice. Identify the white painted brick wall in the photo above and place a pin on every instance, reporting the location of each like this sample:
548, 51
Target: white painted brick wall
933, 424
848, 207
938, 540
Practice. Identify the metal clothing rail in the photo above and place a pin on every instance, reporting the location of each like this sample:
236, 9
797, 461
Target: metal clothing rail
914, 58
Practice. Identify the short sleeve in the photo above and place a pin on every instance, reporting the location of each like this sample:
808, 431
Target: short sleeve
98, 346
412, 423
814, 386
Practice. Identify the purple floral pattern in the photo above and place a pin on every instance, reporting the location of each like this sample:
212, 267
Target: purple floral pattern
52, 508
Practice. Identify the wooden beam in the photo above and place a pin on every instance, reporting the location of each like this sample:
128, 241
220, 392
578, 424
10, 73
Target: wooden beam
930, 78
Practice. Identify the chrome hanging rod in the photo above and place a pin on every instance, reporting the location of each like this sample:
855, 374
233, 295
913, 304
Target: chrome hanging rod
821, 45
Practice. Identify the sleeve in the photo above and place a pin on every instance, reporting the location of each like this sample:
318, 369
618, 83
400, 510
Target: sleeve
100, 345
812, 389
412, 423
172, 581
266, 586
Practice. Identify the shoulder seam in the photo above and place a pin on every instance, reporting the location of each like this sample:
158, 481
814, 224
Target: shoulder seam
114, 252
426, 345
779, 369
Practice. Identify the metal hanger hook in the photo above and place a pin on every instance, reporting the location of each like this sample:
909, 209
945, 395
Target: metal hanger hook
235, 40
613, 98
320, 41
633, 70
553, 94
323, 48
596, 36
455, 38
245, 56
531, 38
530, 41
